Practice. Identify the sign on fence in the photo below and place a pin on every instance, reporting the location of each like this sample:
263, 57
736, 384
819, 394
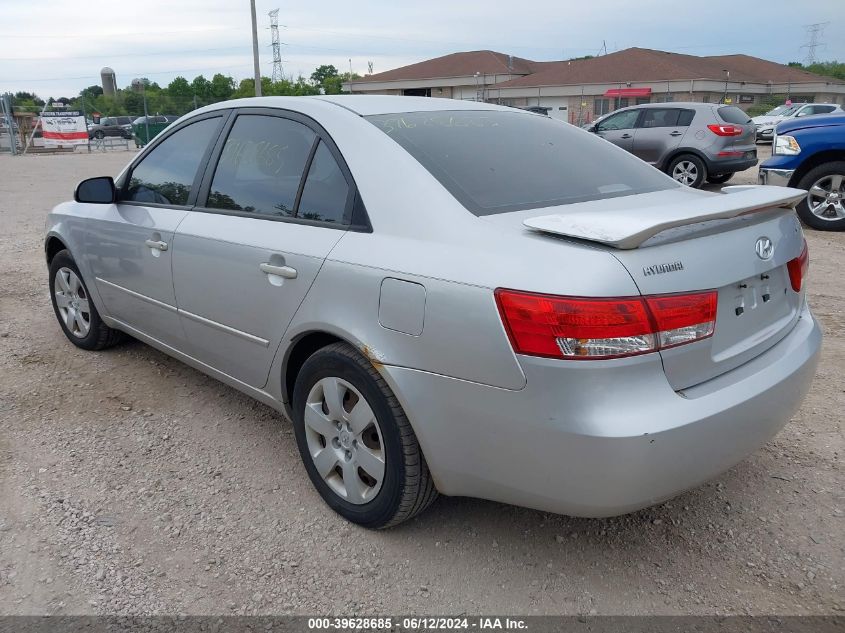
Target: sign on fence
63, 128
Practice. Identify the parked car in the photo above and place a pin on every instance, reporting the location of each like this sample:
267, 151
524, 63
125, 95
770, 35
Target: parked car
111, 126
692, 142
766, 123
436, 314
809, 154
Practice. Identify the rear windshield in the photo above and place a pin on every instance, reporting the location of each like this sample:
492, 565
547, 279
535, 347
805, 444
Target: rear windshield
498, 161
732, 114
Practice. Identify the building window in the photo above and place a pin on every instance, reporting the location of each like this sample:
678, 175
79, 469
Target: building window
621, 102
664, 98
601, 106
643, 100
417, 92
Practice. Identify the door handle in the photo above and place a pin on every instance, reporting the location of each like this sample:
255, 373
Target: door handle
625, 136
280, 271
675, 133
156, 244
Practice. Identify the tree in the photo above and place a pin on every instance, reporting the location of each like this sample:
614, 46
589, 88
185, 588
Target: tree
322, 73
223, 87
180, 88
334, 85
201, 87
92, 91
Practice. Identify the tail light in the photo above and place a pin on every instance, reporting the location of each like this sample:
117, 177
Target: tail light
725, 129
582, 328
798, 268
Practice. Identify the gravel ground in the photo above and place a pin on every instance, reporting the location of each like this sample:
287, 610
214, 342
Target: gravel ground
132, 484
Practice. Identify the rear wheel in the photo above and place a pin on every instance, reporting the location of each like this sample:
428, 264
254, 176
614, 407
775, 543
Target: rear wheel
75, 311
99, 134
824, 206
718, 179
358, 447
688, 170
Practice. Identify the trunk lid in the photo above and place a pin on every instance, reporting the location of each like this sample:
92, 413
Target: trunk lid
708, 243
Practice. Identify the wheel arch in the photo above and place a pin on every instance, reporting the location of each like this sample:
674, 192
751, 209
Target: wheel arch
300, 349
813, 161
53, 245
680, 151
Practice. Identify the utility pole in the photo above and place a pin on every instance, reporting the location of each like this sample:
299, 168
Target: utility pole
257, 68
274, 40
814, 34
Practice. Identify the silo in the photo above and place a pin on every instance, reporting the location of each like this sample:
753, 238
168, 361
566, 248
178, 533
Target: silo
109, 81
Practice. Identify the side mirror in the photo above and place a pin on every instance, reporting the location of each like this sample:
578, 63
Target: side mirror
99, 190
593, 129
802, 113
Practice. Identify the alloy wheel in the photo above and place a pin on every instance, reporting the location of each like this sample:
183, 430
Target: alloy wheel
685, 172
825, 198
344, 440
72, 302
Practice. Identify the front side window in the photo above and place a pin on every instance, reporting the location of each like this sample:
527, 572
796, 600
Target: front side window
261, 166
622, 121
166, 175
495, 161
326, 190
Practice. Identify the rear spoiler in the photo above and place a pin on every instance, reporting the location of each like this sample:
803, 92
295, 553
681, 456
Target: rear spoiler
629, 227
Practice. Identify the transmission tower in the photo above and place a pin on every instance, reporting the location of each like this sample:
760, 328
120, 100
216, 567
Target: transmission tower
814, 35
274, 38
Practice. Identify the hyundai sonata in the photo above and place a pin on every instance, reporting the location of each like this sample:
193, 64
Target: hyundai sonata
451, 297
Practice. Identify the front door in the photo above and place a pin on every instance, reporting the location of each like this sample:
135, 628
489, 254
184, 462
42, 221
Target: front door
130, 248
277, 203
618, 128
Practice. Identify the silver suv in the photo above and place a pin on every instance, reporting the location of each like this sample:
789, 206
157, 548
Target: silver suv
692, 142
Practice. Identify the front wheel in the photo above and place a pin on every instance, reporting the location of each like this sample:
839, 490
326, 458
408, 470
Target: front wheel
357, 445
688, 170
99, 134
824, 206
718, 179
75, 311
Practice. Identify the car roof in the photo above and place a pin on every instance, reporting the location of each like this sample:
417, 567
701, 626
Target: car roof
364, 105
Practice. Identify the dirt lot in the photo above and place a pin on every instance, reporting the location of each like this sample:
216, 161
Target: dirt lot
130, 483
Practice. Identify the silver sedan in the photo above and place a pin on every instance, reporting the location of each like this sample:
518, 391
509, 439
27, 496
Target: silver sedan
450, 297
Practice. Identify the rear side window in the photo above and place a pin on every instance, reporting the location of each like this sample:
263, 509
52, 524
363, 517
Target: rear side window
660, 117
732, 114
494, 161
166, 174
685, 118
326, 190
261, 166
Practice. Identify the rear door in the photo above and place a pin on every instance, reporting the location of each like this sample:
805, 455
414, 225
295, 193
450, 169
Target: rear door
618, 128
659, 131
273, 205
130, 244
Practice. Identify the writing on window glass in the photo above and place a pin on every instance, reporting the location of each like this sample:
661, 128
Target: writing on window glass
392, 124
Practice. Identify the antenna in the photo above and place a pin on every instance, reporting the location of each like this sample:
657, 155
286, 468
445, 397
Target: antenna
814, 35
274, 38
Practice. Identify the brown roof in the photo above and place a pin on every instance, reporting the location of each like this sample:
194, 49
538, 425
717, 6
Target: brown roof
457, 65
629, 65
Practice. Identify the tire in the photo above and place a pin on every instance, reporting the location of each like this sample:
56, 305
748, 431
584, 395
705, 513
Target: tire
75, 311
688, 169
347, 475
825, 213
718, 179
99, 134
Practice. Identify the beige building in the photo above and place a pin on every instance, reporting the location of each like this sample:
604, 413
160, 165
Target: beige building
580, 90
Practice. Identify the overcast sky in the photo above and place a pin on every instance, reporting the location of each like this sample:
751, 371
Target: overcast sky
57, 48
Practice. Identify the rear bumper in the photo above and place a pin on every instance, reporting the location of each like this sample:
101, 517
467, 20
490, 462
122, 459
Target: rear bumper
581, 440
779, 177
729, 165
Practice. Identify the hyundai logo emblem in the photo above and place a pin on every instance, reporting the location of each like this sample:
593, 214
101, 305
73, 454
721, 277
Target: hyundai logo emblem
764, 248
